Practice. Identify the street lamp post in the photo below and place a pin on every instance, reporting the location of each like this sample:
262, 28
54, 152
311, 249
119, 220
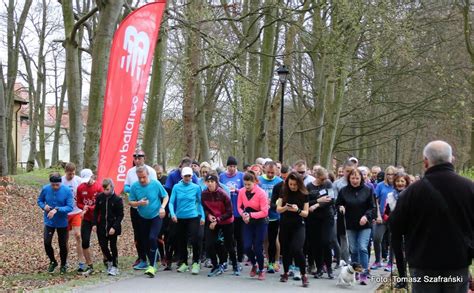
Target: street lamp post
397, 137
282, 75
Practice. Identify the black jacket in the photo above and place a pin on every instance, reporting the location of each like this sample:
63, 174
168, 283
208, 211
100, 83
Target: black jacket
432, 231
358, 202
325, 210
108, 213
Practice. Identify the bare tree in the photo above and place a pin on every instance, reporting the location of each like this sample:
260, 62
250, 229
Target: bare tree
14, 34
3, 128
109, 12
73, 84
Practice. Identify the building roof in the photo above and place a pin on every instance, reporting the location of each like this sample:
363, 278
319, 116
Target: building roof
21, 93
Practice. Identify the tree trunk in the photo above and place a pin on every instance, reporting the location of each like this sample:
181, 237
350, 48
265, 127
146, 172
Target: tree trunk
14, 34
109, 14
467, 29
202, 126
267, 62
154, 111
251, 66
190, 67
57, 124
322, 90
41, 89
41, 155
32, 110
3, 132
73, 84
334, 111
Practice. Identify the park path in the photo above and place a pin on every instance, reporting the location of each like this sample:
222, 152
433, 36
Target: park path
177, 282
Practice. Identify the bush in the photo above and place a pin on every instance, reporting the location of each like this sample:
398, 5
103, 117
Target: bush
469, 173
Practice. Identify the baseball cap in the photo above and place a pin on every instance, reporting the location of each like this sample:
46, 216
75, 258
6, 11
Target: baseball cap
86, 175
186, 171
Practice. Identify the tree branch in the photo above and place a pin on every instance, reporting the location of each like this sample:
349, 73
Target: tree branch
78, 24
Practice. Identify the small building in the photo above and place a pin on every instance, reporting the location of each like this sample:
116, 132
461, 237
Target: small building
19, 119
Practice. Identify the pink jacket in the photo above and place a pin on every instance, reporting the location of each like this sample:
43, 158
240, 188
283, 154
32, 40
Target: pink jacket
258, 202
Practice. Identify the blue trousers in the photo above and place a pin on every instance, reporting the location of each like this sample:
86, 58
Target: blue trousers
254, 235
358, 242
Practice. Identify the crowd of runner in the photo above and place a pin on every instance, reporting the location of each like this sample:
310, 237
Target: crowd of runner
294, 220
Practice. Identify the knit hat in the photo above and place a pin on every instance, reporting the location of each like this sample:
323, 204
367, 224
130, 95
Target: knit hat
231, 161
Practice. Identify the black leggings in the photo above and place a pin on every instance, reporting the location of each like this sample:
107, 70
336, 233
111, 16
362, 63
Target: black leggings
136, 223
86, 230
162, 236
211, 243
322, 230
104, 241
307, 247
62, 239
292, 238
170, 241
238, 236
188, 230
149, 231
273, 227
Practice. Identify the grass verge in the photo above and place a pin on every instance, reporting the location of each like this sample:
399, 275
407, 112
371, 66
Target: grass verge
36, 178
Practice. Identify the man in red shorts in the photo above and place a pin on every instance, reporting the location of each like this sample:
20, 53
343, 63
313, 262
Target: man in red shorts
86, 195
74, 218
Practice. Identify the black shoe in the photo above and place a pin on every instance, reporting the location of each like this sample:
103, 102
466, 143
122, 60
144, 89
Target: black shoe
330, 276
401, 285
168, 267
52, 266
318, 274
63, 270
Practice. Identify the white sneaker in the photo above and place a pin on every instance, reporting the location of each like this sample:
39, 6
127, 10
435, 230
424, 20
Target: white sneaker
296, 274
113, 271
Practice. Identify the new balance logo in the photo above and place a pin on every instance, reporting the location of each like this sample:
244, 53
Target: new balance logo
137, 45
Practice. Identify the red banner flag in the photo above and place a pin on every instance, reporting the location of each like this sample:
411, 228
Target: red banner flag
131, 56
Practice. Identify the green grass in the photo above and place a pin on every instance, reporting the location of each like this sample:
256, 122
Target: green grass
36, 178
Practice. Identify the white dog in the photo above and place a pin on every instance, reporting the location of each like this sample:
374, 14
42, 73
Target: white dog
348, 273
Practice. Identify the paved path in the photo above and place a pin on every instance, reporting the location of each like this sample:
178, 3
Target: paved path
177, 282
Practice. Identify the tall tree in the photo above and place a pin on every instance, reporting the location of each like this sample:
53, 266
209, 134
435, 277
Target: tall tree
3, 128
190, 66
467, 28
73, 84
153, 135
14, 34
109, 12
267, 64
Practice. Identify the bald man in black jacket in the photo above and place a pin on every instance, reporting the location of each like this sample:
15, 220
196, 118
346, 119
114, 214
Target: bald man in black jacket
436, 217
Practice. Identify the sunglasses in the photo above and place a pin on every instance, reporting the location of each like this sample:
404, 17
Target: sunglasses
302, 172
138, 156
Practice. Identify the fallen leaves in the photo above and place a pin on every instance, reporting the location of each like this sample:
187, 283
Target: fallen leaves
21, 242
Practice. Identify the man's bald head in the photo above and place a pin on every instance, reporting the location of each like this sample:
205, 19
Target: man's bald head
437, 152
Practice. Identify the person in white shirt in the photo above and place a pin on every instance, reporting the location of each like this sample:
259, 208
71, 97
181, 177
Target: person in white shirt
71, 180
